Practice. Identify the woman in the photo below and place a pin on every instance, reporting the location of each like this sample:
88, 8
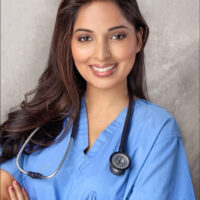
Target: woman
94, 80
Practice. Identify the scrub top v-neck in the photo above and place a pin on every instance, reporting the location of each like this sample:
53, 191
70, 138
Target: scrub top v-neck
159, 167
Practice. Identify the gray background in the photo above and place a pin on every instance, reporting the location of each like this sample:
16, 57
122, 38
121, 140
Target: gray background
172, 59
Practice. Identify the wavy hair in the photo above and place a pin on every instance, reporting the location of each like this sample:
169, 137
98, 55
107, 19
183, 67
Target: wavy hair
60, 87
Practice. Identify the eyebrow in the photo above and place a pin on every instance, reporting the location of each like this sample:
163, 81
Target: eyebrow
110, 29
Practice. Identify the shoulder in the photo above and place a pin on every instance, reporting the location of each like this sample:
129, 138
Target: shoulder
152, 122
151, 125
150, 110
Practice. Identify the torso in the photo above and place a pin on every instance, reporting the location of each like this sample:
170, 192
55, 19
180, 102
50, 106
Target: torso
83, 176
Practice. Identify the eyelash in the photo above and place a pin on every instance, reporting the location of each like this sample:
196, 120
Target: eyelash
85, 36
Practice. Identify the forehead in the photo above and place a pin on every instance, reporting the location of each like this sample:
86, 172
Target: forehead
100, 15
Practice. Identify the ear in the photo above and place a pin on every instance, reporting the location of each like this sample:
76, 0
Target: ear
139, 35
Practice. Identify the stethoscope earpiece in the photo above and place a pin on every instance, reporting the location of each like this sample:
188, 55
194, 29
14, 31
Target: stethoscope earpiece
119, 162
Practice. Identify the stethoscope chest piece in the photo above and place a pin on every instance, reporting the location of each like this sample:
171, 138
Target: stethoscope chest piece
119, 162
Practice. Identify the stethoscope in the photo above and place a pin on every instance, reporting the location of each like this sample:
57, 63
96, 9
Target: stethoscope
119, 161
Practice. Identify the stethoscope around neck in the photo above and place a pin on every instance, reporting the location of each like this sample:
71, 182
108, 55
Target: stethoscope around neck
119, 161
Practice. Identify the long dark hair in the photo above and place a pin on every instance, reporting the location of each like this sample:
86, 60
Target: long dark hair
61, 87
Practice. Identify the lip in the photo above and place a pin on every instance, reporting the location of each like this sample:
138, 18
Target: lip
106, 73
103, 66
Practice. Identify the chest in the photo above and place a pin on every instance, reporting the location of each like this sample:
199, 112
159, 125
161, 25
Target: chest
95, 127
81, 176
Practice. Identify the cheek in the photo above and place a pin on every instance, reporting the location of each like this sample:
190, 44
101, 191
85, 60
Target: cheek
81, 59
125, 52
79, 53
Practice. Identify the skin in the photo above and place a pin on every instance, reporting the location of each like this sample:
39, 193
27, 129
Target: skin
103, 46
10, 188
105, 97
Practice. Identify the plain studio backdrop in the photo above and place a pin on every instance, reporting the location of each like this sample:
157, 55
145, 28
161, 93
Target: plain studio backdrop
172, 59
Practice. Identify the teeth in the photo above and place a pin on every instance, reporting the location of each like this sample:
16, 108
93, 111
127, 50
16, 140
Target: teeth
103, 69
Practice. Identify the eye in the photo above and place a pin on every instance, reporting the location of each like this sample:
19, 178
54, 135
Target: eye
84, 38
119, 36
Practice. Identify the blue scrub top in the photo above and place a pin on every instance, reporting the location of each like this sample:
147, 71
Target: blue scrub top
159, 168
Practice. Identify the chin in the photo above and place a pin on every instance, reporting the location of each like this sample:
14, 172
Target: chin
105, 85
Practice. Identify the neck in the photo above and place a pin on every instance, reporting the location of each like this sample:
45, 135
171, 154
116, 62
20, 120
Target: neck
104, 101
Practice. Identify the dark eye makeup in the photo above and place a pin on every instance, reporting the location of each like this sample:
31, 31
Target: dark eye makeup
118, 36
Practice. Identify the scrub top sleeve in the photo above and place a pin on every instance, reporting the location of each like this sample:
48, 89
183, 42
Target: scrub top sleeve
165, 174
11, 167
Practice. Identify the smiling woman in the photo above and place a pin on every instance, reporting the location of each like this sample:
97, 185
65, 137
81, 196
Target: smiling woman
95, 80
104, 48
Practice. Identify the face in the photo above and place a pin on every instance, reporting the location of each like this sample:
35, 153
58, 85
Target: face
104, 45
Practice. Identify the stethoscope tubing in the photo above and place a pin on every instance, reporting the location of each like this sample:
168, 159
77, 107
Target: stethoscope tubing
38, 175
114, 168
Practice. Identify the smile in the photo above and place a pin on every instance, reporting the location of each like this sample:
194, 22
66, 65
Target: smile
103, 69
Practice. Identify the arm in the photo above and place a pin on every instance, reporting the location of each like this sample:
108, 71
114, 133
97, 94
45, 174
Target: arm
7, 180
165, 174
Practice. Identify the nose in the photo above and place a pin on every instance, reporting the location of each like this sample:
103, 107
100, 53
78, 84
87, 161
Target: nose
102, 50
